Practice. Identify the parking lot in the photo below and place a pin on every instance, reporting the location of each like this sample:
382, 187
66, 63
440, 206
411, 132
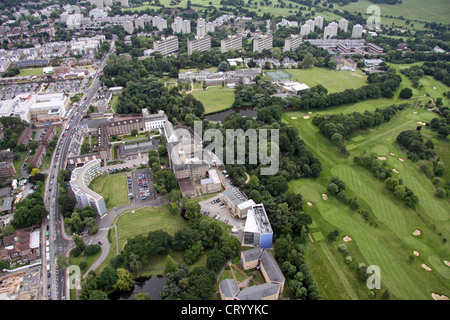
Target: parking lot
10, 91
217, 210
140, 186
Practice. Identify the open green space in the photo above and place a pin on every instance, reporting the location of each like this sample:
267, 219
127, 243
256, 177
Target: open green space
432, 10
391, 243
30, 72
113, 188
332, 80
215, 98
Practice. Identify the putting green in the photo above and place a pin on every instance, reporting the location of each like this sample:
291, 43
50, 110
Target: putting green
318, 236
308, 193
380, 150
438, 265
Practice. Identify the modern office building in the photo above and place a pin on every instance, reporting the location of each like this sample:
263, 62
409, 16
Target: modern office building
231, 42
166, 45
293, 42
343, 24
79, 182
357, 31
263, 42
258, 231
199, 43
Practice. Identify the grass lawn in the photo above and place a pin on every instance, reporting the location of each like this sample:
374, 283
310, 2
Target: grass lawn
17, 163
113, 188
388, 245
432, 10
215, 98
30, 72
334, 81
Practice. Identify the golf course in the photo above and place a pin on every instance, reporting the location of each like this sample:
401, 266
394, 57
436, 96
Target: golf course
411, 266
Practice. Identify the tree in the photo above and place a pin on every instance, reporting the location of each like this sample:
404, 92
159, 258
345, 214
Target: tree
406, 93
158, 242
171, 265
308, 61
108, 278
191, 255
215, 260
124, 280
440, 192
333, 188
92, 249
79, 244
193, 214
143, 296
162, 150
62, 261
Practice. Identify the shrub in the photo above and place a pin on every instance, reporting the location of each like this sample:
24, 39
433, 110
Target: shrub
83, 265
440, 192
348, 259
342, 248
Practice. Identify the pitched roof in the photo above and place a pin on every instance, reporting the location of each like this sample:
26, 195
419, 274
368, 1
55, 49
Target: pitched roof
229, 288
258, 292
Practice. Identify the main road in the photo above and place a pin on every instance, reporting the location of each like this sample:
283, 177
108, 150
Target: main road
54, 279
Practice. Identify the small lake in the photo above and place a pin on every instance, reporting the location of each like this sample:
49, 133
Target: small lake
243, 111
152, 286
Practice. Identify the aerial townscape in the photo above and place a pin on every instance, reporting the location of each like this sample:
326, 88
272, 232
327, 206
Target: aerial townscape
226, 150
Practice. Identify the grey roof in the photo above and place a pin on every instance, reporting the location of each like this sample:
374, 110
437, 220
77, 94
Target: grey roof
234, 195
229, 288
272, 269
252, 254
258, 292
7, 203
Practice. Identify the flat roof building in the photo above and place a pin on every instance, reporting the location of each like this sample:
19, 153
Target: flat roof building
263, 42
258, 231
199, 43
231, 42
293, 42
166, 45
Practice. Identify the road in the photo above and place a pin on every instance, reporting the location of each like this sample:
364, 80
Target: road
59, 243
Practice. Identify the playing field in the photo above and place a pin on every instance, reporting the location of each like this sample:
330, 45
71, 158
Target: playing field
391, 243
113, 188
334, 81
30, 72
215, 98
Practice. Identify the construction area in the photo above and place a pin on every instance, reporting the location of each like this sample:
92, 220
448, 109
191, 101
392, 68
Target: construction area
21, 285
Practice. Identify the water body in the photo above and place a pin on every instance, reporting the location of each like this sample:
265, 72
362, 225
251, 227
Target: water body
243, 111
152, 286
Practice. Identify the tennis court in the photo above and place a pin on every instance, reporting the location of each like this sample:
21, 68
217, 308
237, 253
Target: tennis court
278, 75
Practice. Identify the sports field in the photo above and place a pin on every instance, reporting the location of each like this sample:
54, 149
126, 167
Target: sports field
215, 98
334, 81
30, 72
113, 188
391, 243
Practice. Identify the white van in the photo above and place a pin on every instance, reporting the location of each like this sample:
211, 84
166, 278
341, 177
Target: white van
48, 256
48, 266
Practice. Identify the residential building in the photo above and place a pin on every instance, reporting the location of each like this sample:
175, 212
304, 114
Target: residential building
311, 24
305, 30
7, 170
343, 24
342, 62
357, 31
231, 42
199, 43
374, 49
103, 142
166, 45
39, 156
159, 23
7, 205
319, 22
124, 125
51, 132
232, 197
212, 183
331, 30
25, 137
128, 26
79, 182
263, 42
293, 42
181, 25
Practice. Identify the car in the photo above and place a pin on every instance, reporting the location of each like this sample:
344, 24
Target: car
100, 243
48, 227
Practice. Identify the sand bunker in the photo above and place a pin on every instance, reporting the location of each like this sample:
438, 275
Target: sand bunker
392, 154
415, 112
401, 159
416, 253
294, 118
447, 263
309, 204
347, 239
434, 88
422, 123
417, 233
426, 267
310, 112
306, 117
438, 297
381, 158
395, 170
324, 196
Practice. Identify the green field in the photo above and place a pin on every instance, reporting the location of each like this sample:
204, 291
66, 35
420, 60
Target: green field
389, 245
30, 72
113, 188
431, 10
215, 98
333, 81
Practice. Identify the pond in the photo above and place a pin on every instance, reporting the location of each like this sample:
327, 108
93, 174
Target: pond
152, 286
243, 111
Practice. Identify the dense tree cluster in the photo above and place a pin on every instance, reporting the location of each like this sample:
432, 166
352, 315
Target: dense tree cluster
416, 148
340, 127
440, 70
29, 211
12, 129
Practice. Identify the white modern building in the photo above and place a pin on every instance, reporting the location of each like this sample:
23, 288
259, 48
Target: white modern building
331, 30
343, 24
159, 23
181, 26
79, 182
258, 231
311, 24
319, 21
305, 30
